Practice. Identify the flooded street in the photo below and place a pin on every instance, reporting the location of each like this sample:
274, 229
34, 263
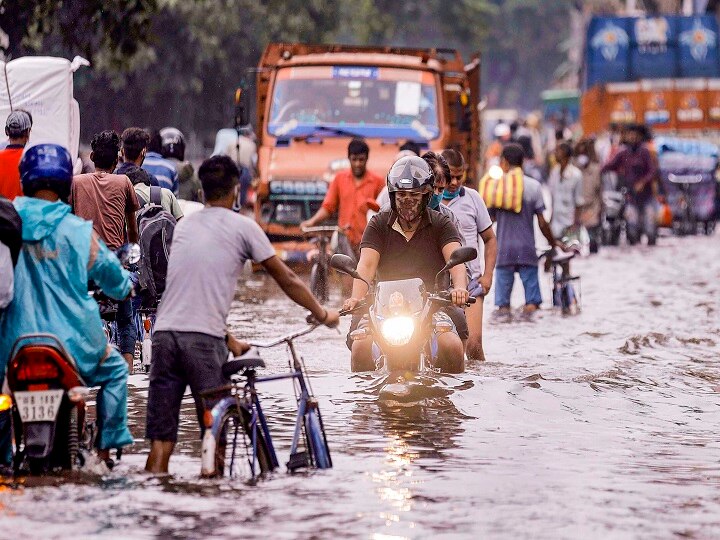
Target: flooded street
602, 425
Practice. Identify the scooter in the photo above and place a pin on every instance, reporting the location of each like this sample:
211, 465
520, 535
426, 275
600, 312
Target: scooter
613, 211
48, 401
402, 322
49, 407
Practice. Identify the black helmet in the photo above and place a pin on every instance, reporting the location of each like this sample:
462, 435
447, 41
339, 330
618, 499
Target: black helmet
410, 173
173, 143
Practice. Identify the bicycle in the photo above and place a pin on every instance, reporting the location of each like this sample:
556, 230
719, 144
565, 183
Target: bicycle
319, 273
236, 428
563, 284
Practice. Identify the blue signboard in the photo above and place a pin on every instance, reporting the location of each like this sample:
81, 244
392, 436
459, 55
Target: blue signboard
608, 50
698, 47
653, 48
355, 72
632, 48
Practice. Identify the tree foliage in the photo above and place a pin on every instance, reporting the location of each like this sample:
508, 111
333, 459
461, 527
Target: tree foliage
163, 62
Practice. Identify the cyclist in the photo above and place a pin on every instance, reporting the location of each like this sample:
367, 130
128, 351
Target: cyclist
408, 241
475, 223
109, 202
351, 194
190, 343
60, 254
173, 149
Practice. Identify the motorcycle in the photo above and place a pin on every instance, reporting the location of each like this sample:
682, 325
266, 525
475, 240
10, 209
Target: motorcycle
49, 408
402, 318
48, 402
613, 211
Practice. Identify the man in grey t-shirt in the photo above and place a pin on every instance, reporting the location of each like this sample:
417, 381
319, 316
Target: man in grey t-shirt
516, 239
190, 342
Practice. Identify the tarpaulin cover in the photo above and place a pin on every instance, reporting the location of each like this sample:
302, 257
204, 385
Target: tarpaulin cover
43, 86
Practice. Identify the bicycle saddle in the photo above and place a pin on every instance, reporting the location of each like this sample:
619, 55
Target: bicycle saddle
249, 360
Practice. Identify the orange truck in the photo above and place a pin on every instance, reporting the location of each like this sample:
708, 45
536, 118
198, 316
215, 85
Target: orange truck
313, 99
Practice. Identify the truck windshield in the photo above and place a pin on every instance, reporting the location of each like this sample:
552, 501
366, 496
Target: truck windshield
368, 101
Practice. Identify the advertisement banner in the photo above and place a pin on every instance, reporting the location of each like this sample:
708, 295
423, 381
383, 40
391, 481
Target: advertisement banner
659, 103
624, 102
698, 47
691, 99
653, 48
713, 103
608, 50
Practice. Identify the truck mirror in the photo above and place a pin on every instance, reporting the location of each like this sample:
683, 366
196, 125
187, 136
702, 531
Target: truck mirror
241, 114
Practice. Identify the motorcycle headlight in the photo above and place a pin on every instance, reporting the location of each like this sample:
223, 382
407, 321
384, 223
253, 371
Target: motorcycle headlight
397, 331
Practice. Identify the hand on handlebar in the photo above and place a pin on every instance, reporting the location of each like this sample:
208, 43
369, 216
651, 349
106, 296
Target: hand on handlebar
350, 304
459, 297
332, 318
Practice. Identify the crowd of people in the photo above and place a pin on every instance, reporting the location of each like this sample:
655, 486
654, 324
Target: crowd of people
406, 225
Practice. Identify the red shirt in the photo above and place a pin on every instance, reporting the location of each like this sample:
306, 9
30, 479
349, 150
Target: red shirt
351, 200
10, 186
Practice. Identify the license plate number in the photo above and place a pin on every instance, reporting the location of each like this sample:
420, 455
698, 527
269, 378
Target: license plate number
41, 406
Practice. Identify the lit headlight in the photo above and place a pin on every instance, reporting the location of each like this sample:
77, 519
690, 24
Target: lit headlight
397, 331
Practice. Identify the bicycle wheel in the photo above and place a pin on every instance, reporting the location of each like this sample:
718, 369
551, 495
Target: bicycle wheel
318, 282
320, 453
234, 448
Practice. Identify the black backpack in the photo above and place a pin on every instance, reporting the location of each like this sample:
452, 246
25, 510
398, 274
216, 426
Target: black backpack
10, 228
155, 231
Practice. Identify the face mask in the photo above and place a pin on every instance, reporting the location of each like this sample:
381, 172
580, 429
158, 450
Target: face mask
435, 201
449, 195
408, 209
582, 160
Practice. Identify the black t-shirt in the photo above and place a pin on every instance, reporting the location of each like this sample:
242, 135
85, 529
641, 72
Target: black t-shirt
420, 257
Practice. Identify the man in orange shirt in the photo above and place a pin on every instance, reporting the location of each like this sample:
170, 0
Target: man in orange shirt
17, 128
351, 194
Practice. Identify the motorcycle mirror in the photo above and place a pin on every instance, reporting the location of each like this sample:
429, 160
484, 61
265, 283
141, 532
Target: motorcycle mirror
344, 264
459, 256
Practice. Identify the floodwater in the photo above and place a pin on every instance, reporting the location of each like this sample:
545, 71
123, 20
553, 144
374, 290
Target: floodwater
600, 425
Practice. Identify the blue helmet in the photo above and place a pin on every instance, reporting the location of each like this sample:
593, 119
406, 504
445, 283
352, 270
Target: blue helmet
46, 166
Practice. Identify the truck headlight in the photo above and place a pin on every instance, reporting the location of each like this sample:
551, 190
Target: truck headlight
397, 331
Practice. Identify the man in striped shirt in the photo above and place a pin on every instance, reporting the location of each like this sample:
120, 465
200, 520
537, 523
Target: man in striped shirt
163, 169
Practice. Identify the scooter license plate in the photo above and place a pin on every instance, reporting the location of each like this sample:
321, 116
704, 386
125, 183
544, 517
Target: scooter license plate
40, 406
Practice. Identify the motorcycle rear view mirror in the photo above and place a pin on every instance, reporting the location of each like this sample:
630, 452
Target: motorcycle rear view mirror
460, 256
347, 265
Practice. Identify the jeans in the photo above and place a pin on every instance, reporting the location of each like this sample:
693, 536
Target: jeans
641, 216
127, 333
505, 278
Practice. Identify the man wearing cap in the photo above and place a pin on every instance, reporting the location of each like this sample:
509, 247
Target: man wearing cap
17, 128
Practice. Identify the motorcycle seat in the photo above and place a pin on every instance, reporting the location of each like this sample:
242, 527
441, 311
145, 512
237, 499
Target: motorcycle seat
249, 360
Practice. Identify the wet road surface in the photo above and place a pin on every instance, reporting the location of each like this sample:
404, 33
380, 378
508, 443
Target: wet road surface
602, 425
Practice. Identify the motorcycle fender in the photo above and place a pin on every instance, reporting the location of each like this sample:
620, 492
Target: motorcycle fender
39, 438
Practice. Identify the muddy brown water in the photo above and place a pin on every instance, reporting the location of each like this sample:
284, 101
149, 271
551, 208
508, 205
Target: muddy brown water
602, 425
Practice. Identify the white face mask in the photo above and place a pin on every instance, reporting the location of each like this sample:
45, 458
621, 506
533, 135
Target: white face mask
582, 160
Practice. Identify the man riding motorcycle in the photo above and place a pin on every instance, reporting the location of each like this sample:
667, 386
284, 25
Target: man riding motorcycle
409, 241
60, 254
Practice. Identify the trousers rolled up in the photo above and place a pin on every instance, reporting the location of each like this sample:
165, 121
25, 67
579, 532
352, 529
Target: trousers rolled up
111, 376
126, 330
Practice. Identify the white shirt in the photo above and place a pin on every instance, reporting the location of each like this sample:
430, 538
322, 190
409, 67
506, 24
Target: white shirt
473, 217
208, 253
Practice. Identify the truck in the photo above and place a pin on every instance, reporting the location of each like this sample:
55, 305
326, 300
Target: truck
313, 99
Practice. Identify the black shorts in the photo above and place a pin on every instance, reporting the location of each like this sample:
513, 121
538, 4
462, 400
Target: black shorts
180, 359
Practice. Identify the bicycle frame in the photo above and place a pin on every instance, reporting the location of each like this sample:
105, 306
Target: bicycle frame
245, 396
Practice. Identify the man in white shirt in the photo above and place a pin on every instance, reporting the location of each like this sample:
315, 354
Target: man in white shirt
475, 223
566, 186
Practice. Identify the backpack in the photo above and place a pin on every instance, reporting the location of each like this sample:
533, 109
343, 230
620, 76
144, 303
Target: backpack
155, 231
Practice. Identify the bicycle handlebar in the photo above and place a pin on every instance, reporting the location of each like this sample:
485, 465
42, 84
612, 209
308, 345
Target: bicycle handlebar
322, 229
284, 339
